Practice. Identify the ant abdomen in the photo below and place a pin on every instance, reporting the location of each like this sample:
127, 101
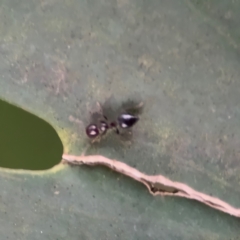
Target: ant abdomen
127, 120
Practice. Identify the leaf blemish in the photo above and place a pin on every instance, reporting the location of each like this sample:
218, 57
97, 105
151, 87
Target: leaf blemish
156, 185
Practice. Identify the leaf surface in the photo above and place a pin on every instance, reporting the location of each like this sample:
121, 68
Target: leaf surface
58, 58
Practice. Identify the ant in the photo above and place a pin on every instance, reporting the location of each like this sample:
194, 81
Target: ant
125, 120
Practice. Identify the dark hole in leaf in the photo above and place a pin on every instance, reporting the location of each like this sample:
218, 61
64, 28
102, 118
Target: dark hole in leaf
26, 141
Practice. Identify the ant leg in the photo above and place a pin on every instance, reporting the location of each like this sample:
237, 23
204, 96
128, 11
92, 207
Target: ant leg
96, 139
117, 131
99, 107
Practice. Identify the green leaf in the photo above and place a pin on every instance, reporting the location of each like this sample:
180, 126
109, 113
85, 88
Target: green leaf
58, 58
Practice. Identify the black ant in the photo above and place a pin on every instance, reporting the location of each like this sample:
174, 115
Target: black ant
125, 120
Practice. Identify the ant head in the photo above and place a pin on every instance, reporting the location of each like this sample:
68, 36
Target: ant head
92, 131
